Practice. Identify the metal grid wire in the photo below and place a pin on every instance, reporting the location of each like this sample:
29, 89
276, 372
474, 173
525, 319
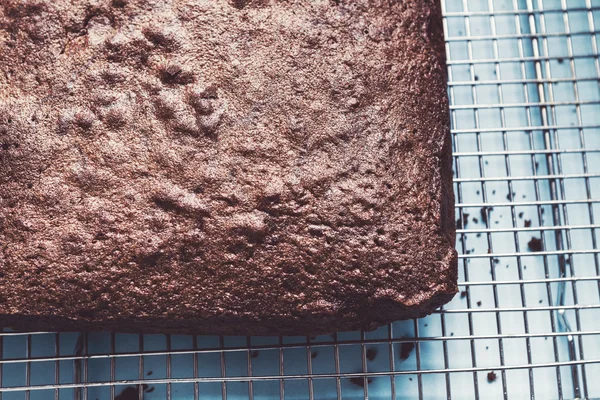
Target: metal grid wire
524, 84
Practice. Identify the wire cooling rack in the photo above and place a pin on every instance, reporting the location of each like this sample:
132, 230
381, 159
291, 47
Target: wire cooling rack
524, 84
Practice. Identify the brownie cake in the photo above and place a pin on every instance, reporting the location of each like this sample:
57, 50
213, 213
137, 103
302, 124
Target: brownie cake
223, 166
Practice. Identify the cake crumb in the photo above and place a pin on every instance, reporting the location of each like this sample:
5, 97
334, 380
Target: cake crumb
405, 349
360, 381
535, 244
491, 376
371, 353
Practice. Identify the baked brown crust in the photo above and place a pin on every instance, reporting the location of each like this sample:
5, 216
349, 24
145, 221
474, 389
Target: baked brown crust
223, 167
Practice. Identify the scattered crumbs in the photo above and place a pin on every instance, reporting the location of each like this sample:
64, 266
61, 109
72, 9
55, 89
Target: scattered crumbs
521, 214
463, 294
527, 223
479, 303
540, 301
360, 381
535, 244
496, 222
468, 252
560, 60
491, 376
405, 349
479, 235
476, 77
478, 192
371, 353
509, 197
489, 251
254, 354
149, 373
487, 347
475, 220
493, 191
486, 162
451, 333
496, 260
524, 266
542, 211
314, 354
546, 338
506, 265
425, 325
410, 379
524, 196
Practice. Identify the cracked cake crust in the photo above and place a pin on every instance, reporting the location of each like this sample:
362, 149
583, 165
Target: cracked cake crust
223, 167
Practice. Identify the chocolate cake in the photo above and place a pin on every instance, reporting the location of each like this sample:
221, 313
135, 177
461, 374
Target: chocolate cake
223, 166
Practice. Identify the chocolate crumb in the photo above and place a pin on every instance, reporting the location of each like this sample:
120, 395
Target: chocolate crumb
487, 347
560, 60
405, 349
478, 192
410, 379
475, 220
149, 373
371, 354
465, 220
527, 223
360, 381
535, 244
478, 235
479, 303
484, 214
129, 393
540, 301
491, 376
521, 214
463, 294
476, 77
254, 354
314, 354
493, 192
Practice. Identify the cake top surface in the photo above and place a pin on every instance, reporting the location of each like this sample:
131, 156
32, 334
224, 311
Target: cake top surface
222, 157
